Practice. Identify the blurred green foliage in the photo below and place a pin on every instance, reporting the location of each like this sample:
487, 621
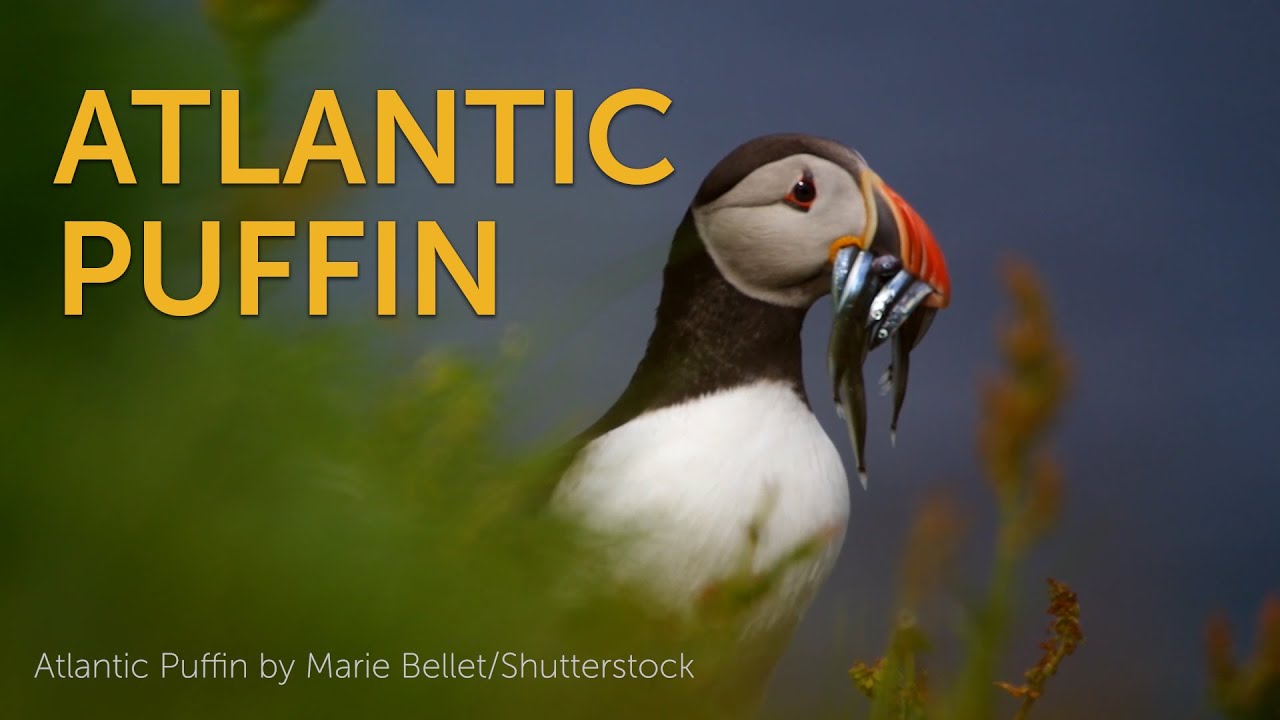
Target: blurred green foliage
1020, 404
1246, 689
229, 492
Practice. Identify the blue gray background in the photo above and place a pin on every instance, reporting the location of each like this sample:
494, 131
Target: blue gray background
1129, 150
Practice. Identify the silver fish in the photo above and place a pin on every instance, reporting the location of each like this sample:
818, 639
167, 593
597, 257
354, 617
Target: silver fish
852, 291
874, 300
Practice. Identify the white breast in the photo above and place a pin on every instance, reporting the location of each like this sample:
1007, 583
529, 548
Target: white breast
685, 484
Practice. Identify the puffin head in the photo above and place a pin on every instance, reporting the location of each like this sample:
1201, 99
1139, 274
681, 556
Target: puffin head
774, 213
789, 218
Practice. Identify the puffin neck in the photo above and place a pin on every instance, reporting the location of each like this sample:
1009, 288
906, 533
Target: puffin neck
708, 336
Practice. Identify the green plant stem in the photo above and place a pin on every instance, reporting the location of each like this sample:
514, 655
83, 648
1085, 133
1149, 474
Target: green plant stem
976, 699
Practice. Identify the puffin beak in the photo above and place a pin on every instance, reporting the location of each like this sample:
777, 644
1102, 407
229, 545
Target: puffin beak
886, 284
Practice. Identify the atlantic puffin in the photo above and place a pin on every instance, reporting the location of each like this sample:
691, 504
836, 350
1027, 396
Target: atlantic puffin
712, 457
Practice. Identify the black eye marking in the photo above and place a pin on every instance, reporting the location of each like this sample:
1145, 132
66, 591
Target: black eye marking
803, 193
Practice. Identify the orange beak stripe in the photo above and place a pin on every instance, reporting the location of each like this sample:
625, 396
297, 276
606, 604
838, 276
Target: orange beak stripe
921, 255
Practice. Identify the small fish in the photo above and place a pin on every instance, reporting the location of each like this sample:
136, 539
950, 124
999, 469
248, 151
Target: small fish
906, 339
886, 284
875, 300
853, 291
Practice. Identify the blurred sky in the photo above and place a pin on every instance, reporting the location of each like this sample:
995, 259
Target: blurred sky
1129, 150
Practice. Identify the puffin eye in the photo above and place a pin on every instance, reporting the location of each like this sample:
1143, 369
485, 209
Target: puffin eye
803, 193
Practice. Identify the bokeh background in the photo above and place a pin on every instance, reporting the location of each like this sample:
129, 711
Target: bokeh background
1129, 151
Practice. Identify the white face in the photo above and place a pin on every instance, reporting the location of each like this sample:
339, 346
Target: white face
769, 246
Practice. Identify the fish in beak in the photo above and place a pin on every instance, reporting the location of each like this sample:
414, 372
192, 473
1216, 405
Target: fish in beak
886, 285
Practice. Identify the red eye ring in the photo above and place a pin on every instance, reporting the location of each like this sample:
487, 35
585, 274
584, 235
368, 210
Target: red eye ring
803, 193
